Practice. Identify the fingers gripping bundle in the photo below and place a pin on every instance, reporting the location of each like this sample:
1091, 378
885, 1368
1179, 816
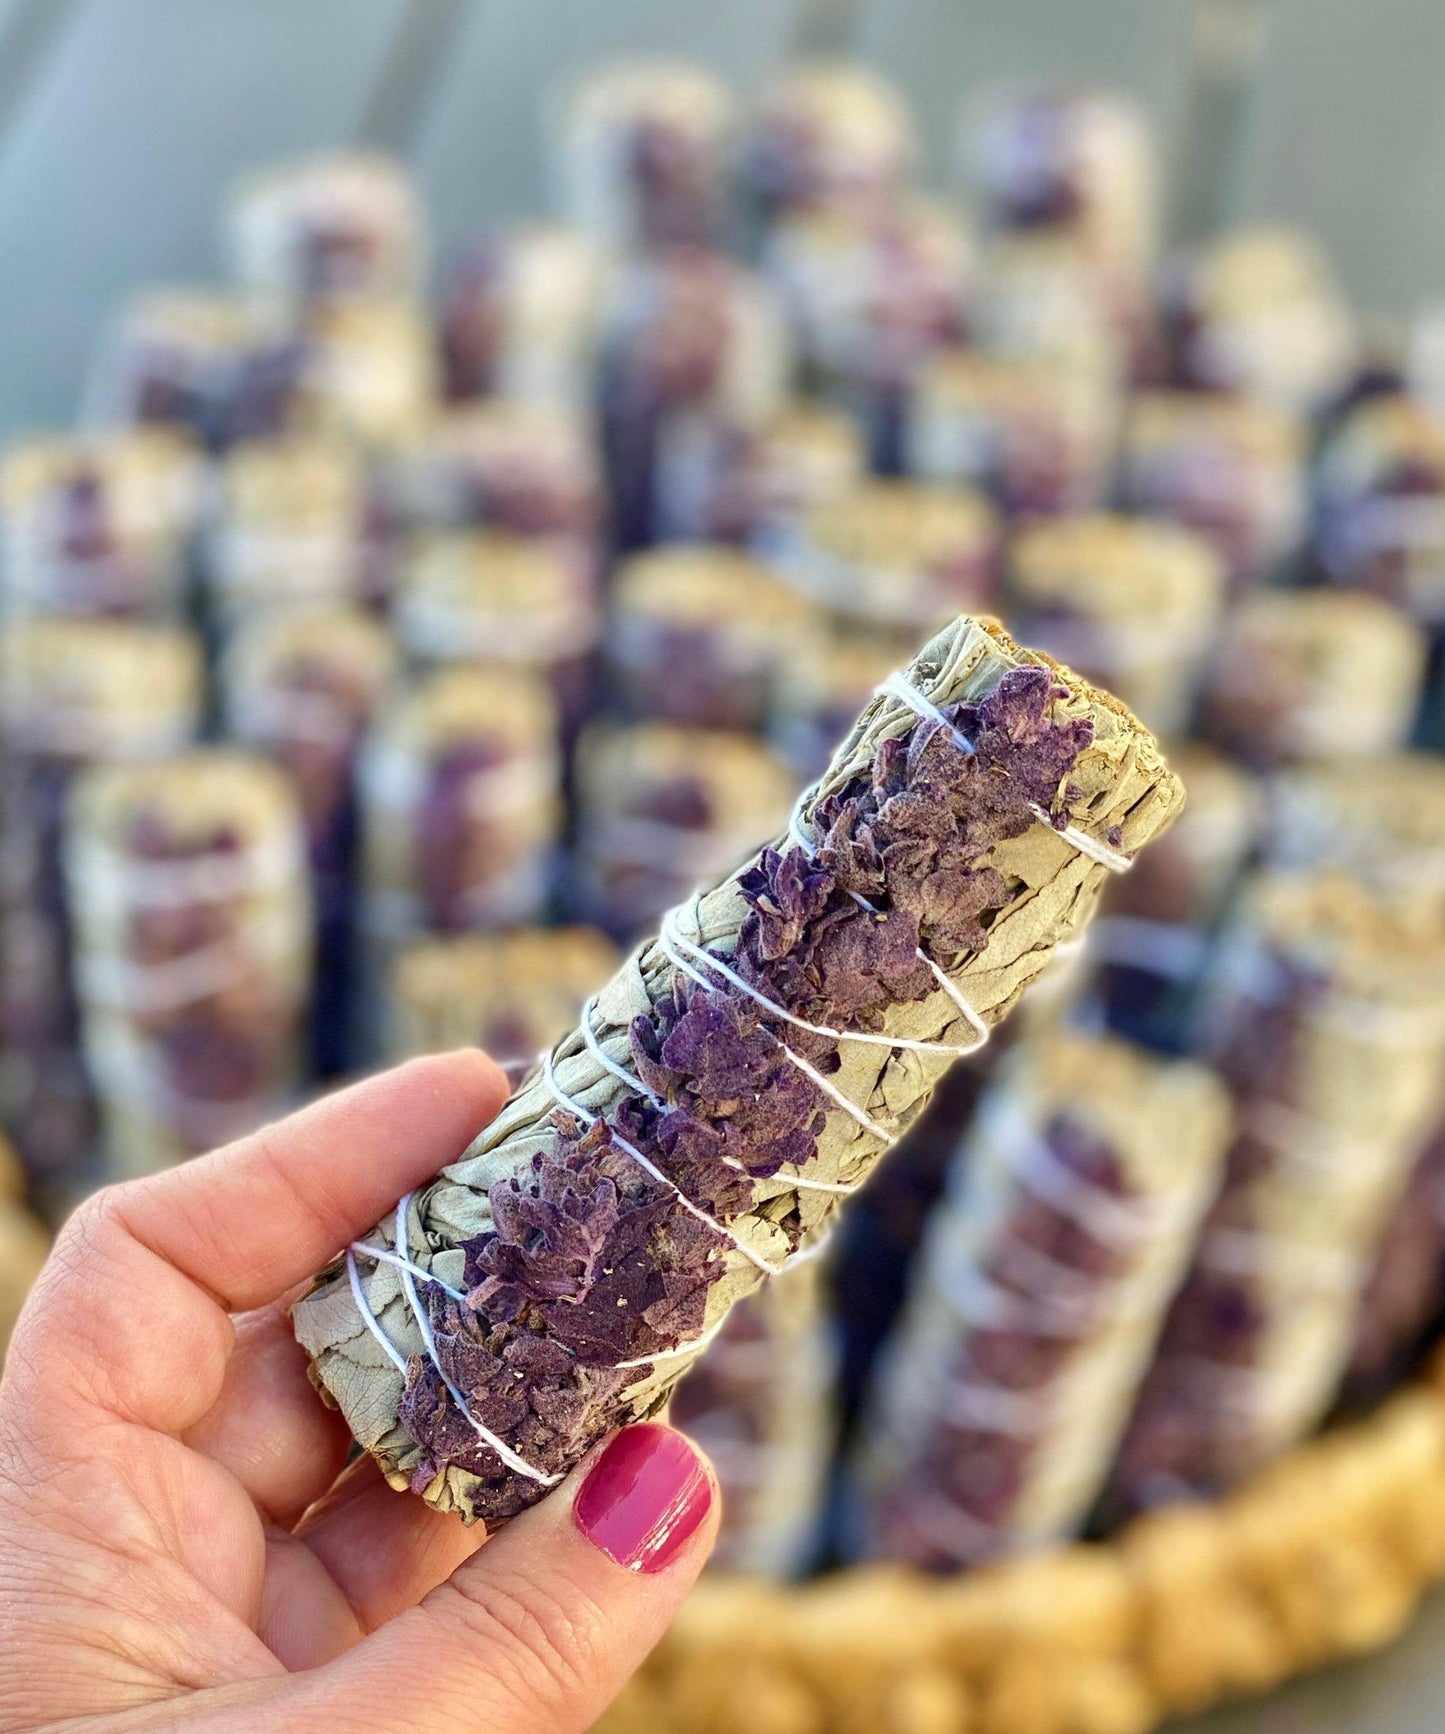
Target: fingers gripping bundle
740, 1075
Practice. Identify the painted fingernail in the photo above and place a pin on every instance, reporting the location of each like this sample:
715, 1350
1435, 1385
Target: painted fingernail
644, 1497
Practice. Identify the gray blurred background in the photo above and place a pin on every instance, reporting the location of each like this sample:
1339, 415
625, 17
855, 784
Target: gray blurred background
122, 122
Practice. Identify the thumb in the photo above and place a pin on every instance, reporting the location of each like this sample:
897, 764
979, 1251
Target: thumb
539, 1630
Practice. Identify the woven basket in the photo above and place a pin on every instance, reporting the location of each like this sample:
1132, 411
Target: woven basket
1325, 1555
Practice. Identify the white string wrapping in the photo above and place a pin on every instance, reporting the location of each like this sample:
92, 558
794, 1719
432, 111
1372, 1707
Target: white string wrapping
1250, 1252
1320, 1154
1038, 1167
519, 1465
213, 876
549, 1077
986, 1408
633, 1082
605, 1060
976, 1300
799, 838
670, 942
384, 1255
965, 1535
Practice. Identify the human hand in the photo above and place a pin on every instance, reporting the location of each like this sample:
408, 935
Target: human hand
180, 1546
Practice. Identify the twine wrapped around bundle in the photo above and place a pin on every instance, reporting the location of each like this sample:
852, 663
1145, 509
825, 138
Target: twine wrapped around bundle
489, 596
896, 558
369, 372
1185, 883
1034, 434
1152, 942
814, 708
1039, 299
528, 468
687, 334
1380, 505
718, 482
1386, 826
72, 693
1043, 1282
1075, 169
289, 526
1259, 311
1404, 1295
1076, 163
460, 805
304, 685
193, 949
739, 1076
1228, 467
871, 298
1388, 829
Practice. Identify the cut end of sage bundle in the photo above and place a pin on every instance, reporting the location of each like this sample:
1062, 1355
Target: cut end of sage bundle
738, 1078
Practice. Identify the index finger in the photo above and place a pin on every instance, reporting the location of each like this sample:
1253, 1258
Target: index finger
254, 1218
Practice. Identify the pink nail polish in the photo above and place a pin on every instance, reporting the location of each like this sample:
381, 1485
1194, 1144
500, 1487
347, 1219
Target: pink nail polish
644, 1497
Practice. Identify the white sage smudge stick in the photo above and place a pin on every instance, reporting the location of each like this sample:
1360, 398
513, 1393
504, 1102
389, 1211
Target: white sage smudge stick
192, 957
739, 1076
1326, 1017
1043, 1281
760, 1403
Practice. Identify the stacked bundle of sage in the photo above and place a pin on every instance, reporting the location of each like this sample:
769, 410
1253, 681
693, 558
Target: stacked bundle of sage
304, 685
73, 693
1133, 605
705, 636
662, 809
511, 993
192, 949
101, 525
759, 1400
1328, 1022
1042, 1285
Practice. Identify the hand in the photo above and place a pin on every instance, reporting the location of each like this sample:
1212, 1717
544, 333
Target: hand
180, 1546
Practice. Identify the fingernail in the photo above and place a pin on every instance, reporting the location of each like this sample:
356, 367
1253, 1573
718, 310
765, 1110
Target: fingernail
644, 1497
